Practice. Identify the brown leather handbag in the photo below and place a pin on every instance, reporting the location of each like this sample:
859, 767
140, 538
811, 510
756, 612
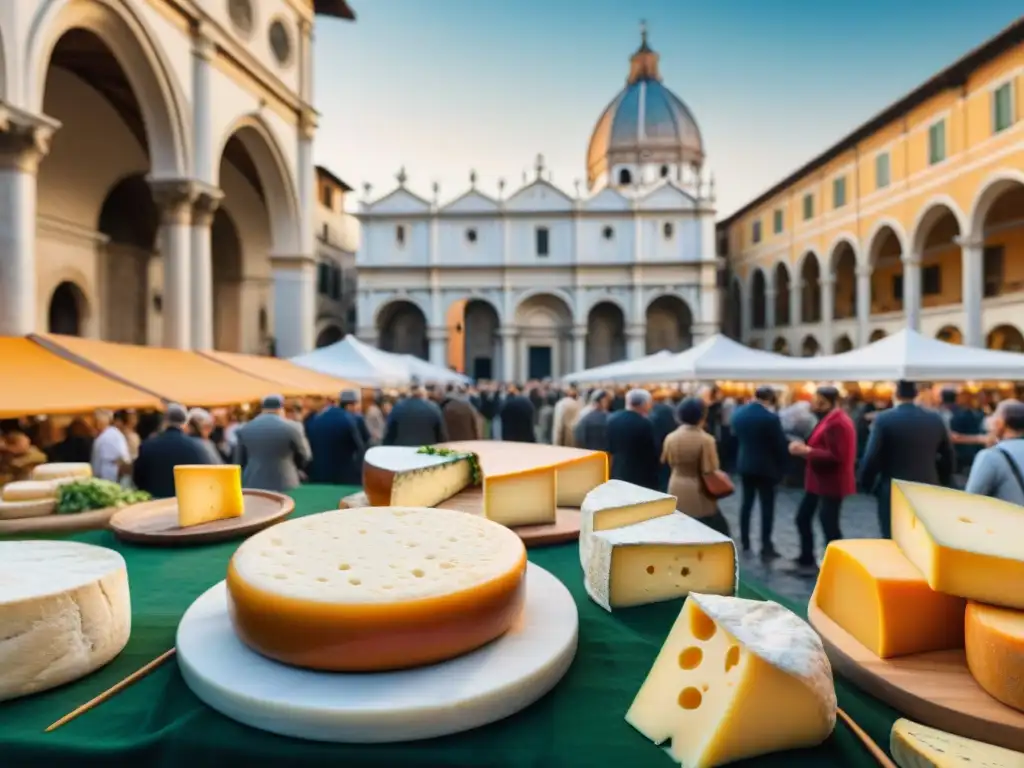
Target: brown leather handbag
717, 484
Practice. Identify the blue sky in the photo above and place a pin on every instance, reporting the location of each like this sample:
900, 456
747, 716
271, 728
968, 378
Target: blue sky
446, 86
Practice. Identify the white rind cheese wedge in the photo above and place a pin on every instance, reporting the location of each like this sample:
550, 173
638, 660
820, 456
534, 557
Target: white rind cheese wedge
29, 490
660, 559
56, 471
917, 746
18, 510
65, 611
736, 679
615, 504
401, 476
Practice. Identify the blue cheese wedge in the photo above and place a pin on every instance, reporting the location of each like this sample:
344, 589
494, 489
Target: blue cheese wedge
659, 559
616, 504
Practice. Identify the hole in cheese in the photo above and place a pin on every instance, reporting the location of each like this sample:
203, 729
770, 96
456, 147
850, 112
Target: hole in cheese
691, 657
690, 698
650, 569
701, 626
963, 519
419, 573
685, 572
355, 582
344, 567
704, 687
700, 555
732, 657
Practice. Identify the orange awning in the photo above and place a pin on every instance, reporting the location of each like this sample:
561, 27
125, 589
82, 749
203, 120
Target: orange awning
173, 374
37, 381
292, 380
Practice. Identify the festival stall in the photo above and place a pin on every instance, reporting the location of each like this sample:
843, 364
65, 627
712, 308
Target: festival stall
434, 374
292, 380
371, 367
603, 372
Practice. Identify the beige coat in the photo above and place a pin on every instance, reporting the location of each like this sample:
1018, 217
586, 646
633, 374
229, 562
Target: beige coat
567, 413
690, 453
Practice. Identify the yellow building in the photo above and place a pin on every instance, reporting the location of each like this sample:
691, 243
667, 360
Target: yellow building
914, 219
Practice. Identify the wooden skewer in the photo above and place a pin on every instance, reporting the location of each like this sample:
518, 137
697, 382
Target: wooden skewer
869, 743
114, 689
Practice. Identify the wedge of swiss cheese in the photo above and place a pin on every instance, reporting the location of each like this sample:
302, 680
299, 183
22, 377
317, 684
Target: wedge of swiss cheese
55, 471
402, 476
736, 679
660, 559
525, 483
869, 588
995, 651
208, 492
65, 611
917, 746
965, 545
616, 504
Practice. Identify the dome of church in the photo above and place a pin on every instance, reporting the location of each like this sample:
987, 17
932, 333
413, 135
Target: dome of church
646, 124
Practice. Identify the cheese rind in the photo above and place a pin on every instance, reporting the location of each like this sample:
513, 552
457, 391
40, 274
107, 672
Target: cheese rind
57, 470
65, 611
869, 588
376, 588
17, 510
735, 679
965, 545
401, 476
995, 651
29, 490
208, 492
917, 746
660, 559
615, 504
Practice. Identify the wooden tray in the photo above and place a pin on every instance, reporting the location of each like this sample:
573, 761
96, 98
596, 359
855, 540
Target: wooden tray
564, 530
156, 522
934, 688
58, 523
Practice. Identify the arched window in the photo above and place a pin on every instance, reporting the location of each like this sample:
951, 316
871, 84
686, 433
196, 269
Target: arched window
625, 177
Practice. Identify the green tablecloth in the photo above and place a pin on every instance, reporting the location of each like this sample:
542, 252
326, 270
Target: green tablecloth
158, 722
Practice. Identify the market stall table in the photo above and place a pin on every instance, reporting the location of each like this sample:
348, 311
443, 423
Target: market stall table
159, 722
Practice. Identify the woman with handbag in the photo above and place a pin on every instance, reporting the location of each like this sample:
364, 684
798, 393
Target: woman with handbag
697, 480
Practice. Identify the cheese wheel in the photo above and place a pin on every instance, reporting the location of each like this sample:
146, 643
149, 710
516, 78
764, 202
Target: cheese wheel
59, 470
376, 588
65, 611
29, 490
994, 641
16, 510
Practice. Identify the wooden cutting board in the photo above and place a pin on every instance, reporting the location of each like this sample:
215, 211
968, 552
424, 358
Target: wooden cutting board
566, 529
58, 523
935, 688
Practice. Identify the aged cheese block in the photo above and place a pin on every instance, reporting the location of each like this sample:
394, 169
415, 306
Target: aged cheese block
376, 588
29, 490
965, 545
870, 589
578, 476
208, 492
58, 470
64, 612
403, 477
615, 504
15, 510
735, 679
917, 746
656, 560
528, 497
995, 651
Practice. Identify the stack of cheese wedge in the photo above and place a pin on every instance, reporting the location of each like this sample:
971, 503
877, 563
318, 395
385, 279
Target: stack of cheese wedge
38, 497
952, 577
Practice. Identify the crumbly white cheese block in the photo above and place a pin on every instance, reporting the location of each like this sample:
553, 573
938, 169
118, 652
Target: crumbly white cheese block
659, 559
58, 470
917, 746
65, 611
735, 679
16, 510
29, 490
401, 476
615, 504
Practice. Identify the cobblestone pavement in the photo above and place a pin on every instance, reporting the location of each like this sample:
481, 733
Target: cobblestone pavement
858, 521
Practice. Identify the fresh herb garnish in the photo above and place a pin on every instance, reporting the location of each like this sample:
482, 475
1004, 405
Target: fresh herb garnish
476, 477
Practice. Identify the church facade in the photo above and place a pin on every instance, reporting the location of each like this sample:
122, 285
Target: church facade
539, 281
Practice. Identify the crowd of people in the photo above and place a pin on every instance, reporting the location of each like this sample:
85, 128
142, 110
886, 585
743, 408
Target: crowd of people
689, 445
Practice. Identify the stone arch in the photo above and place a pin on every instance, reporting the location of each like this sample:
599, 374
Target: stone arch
782, 281
328, 332
883, 228
884, 256
876, 335
545, 320
758, 299
932, 213
1005, 337
610, 298
68, 312
606, 334
809, 273
144, 65
837, 248
810, 347
382, 309
735, 309
669, 322
480, 323
843, 261
842, 344
950, 334
232, 302
402, 328
993, 188
275, 179
562, 295
780, 345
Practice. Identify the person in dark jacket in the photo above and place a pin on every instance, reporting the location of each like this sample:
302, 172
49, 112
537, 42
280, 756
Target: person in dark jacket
663, 417
907, 443
632, 442
337, 445
518, 418
415, 421
591, 430
460, 417
153, 471
761, 459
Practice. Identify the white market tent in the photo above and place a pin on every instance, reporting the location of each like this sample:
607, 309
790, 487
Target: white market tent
906, 355
602, 372
373, 367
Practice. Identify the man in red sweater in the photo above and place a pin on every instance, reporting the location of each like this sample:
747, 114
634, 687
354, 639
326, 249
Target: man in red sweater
829, 476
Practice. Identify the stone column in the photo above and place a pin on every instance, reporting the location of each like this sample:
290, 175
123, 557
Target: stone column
769, 308
174, 199
305, 179
203, 50
24, 141
863, 304
828, 302
437, 338
294, 304
796, 300
203, 208
912, 290
509, 338
972, 258
579, 348
636, 342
